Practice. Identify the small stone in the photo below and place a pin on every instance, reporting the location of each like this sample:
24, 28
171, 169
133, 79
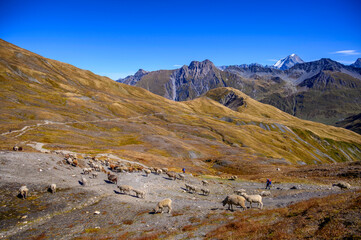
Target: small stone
97, 212
40, 170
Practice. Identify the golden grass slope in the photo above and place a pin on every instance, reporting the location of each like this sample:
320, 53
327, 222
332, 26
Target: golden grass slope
70, 108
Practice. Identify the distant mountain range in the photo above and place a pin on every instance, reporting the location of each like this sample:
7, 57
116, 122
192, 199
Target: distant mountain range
325, 90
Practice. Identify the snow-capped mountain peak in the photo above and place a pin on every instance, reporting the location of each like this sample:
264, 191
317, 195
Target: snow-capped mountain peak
288, 62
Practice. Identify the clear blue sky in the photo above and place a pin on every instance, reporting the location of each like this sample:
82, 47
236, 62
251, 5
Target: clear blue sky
116, 38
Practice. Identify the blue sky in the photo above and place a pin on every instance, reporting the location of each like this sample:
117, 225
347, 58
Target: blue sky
116, 38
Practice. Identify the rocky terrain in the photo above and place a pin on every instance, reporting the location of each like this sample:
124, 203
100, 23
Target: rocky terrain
98, 210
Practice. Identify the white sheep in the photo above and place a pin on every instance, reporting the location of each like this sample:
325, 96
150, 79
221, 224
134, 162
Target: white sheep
205, 182
125, 189
342, 185
253, 199
95, 174
239, 191
265, 193
205, 191
87, 170
140, 194
159, 171
234, 200
84, 181
23, 192
162, 204
52, 188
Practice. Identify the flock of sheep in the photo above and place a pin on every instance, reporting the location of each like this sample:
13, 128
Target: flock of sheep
95, 165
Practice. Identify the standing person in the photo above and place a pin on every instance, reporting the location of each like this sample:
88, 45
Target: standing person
184, 170
268, 184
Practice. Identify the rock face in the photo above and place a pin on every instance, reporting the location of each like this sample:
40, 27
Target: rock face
357, 63
288, 62
133, 79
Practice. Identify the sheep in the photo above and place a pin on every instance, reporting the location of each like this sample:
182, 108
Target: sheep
140, 194
52, 188
172, 175
95, 175
147, 172
205, 191
125, 189
162, 204
181, 176
164, 170
112, 178
87, 170
23, 192
265, 193
16, 148
84, 181
75, 163
239, 191
234, 200
233, 178
69, 161
342, 185
253, 199
159, 171
191, 188
205, 182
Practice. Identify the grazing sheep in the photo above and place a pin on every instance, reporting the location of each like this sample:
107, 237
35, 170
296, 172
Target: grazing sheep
147, 172
140, 194
164, 170
234, 200
87, 170
253, 199
52, 188
75, 163
278, 169
342, 185
162, 204
23, 192
239, 191
181, 176
95, 175
205, 191
205, 182
16, 148
172, 175
192, 189
84, 181
233, 178
112, 178
159, 171
69, 161
265, 193
125, 189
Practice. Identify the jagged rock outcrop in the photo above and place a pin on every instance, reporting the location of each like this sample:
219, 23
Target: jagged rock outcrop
357, 63
133, 79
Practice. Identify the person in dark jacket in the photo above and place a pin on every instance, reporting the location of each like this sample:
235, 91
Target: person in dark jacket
268, 184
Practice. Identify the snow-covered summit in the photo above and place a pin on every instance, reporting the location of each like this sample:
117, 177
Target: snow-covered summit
288, 62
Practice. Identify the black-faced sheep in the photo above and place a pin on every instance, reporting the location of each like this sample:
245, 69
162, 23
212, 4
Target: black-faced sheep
162, 204
234, 200
140, 194
342, 185
23, 192
125, 189
112, 178
253, 199
52, 188
147, 172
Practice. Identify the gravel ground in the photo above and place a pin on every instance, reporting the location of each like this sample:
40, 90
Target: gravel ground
70, 212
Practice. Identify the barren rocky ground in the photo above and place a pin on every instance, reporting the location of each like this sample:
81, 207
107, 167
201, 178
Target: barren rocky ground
70, 212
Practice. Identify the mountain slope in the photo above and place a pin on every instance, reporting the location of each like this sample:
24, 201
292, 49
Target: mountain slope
288, 62
357, 63
63, 107
352, 123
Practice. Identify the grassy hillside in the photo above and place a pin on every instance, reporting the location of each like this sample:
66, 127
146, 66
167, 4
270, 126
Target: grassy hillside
69, 108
